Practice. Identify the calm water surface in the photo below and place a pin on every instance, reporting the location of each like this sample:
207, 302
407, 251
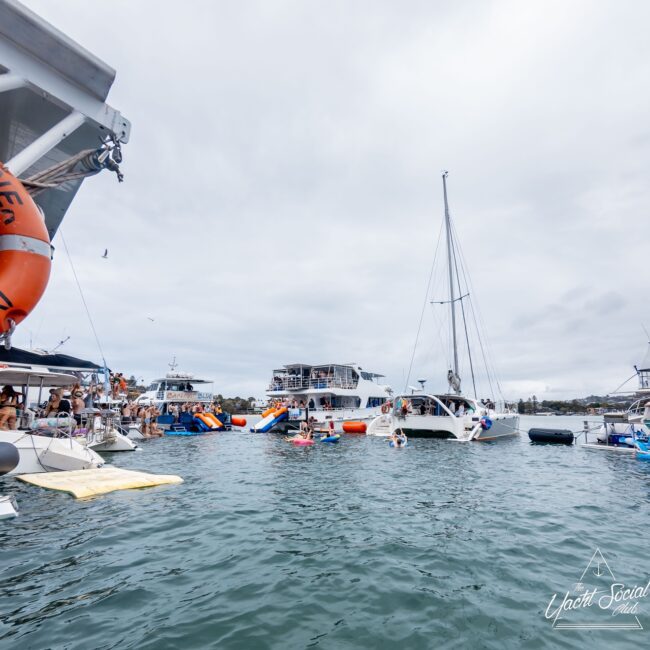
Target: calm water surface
265, 545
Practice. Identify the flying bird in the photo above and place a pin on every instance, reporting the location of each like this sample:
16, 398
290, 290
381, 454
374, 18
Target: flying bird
151, 319
105, 255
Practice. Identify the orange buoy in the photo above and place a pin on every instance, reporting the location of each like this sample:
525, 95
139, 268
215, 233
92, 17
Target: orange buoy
237, 421
354, 427
25, 253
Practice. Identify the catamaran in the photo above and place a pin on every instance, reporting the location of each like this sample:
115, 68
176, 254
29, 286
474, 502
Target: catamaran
450, 414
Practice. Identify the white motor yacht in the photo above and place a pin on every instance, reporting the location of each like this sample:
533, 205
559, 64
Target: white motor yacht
450, 414
330, 393
173, 390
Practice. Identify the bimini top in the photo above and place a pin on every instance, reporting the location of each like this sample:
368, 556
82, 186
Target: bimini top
24, 376
27, 359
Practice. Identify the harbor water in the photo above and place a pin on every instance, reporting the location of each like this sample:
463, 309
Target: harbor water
354, 545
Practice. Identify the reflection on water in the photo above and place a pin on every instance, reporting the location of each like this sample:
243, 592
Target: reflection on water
333, 546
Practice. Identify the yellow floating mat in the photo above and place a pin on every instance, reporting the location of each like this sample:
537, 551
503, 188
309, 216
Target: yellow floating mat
91, 482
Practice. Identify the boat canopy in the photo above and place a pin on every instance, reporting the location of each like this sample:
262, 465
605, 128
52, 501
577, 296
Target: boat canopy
24, 358
24, 376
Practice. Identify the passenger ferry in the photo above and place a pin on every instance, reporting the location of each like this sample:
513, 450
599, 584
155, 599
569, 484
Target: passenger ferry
329, 393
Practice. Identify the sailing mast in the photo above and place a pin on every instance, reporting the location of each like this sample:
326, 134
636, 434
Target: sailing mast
454, 379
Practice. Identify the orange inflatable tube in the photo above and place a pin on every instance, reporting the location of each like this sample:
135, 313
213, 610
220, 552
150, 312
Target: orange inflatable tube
25, 252
237, 421
354, 427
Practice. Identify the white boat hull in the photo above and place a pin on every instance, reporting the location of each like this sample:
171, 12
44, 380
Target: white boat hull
45, 454
445, 426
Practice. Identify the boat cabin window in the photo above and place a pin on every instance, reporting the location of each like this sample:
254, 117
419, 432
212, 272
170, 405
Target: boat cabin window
375, 401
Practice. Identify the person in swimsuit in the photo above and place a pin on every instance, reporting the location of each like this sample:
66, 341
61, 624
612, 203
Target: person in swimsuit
8, 404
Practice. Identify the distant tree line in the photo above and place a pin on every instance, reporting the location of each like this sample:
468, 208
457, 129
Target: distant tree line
235, 404
531, 405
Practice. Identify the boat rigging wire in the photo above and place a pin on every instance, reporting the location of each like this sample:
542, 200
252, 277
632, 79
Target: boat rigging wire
424, 306
83, 299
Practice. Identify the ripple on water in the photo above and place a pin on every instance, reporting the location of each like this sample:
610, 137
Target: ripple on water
270, 546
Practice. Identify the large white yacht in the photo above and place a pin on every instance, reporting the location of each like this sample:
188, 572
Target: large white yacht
329, 393
450, 414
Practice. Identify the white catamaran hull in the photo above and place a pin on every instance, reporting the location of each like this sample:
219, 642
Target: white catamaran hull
45, 454
445, 426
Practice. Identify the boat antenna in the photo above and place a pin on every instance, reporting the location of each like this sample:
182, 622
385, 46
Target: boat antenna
173, 365
452, 376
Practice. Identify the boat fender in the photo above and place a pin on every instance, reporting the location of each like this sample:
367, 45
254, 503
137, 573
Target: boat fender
237, 421
354, 427
553, 436
9, 457
25, 253
486, 423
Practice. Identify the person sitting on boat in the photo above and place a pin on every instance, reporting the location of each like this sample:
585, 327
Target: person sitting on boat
154, 430
423, 408
8, 404
52, 406
461, 410
311, 403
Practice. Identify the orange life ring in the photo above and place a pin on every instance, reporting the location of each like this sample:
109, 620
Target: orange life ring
385, 407
25, 252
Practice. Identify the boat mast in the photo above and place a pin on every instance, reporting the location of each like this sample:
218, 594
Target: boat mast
455, 380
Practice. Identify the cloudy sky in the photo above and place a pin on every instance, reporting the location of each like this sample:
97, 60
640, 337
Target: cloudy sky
283, 199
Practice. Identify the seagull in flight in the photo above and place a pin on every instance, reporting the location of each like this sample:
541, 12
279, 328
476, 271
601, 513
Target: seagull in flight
151, 319
105, 255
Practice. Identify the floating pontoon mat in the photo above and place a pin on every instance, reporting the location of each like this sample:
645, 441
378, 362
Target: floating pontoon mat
91, 482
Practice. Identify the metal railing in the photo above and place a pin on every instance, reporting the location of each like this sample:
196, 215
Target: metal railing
301, 383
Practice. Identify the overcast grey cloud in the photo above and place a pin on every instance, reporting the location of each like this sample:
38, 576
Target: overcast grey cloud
283, 199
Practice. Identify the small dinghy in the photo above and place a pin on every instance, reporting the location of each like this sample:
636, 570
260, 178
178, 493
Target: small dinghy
551, 436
